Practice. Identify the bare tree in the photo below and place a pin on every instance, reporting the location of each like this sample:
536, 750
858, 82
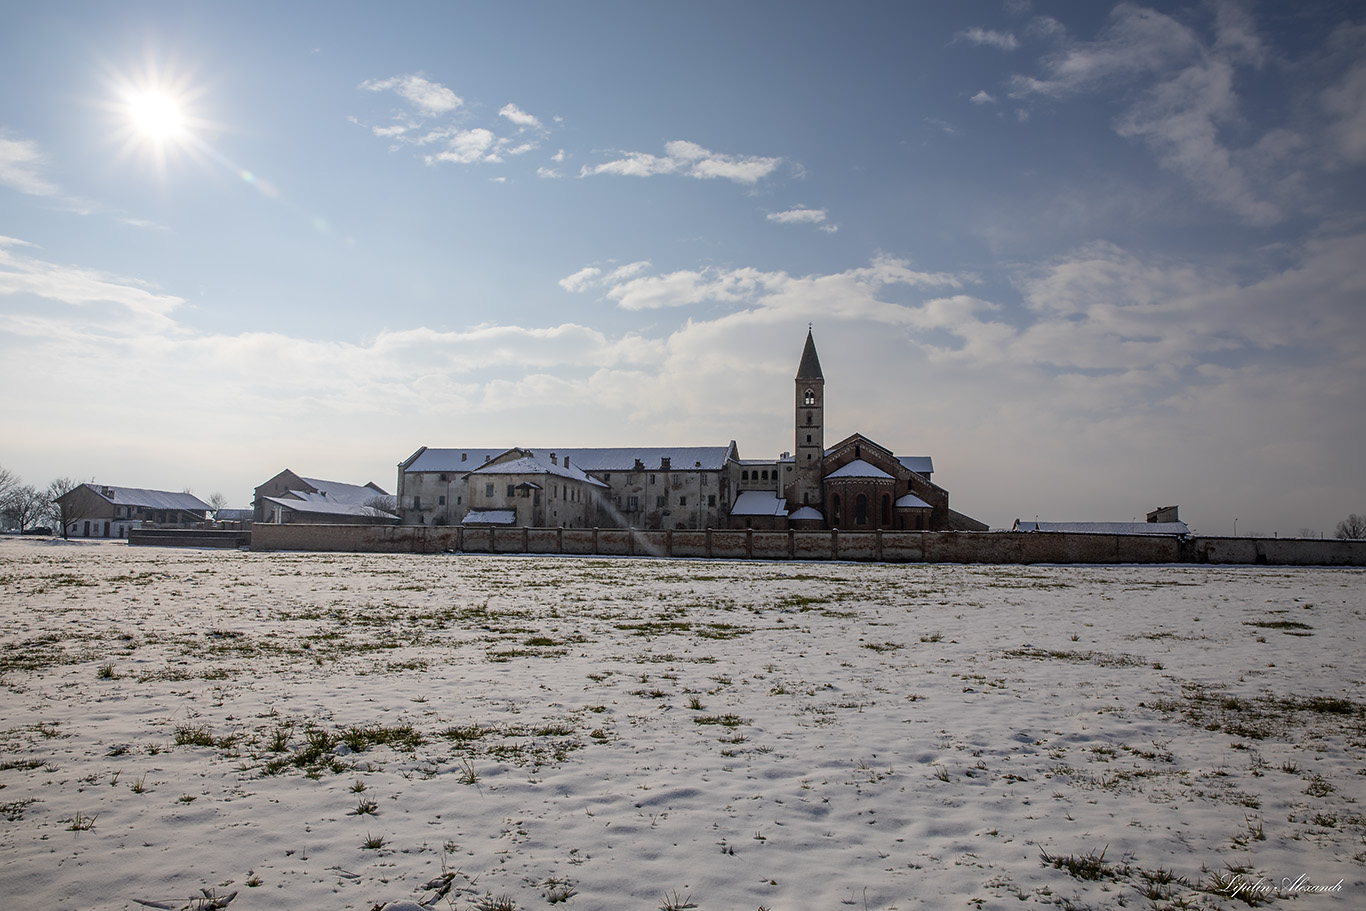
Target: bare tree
381, 506
63, 515
24, 505
8, 482
217, 501
1354, 526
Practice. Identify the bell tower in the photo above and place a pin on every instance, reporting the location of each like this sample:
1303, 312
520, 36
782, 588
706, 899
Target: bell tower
809, 453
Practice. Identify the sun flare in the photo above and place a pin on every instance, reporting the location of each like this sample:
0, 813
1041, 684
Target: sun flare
156, 116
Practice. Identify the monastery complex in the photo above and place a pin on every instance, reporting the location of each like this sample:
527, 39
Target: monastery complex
856, 484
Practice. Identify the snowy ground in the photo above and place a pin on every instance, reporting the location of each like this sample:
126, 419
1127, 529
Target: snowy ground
344, 731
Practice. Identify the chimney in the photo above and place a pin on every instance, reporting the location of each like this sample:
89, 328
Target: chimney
553, 460
664, 463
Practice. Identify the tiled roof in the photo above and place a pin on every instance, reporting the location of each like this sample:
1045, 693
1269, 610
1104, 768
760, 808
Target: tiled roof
810, 367
759, 503
339, 492
618, 458
149, 499
538, 464
910, 501
859, 469
304, 502
918, 464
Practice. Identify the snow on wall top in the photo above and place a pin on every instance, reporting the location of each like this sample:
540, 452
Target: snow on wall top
1105, 528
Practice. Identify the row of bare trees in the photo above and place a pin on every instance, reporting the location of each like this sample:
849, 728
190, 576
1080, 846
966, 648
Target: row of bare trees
23, 506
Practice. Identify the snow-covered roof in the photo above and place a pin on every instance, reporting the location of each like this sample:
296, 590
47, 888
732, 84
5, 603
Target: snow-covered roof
911, 501
759, 503
808, 512
306, 502
453, 459
918, 464
859, 469
621, 458
539, 463
1105, 528
490, 517
149, 499
339, 492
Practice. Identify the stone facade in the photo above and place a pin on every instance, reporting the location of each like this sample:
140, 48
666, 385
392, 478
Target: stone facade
629, 487
104, 511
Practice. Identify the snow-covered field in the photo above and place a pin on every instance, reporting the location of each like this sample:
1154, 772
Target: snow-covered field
343, 731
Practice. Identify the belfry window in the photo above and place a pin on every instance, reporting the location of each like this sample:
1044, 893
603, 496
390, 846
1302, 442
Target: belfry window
809, 398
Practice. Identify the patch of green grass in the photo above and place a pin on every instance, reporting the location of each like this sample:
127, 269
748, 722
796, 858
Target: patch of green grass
727, 720
1104, 659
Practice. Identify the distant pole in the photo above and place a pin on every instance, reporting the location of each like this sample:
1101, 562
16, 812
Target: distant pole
1235, 528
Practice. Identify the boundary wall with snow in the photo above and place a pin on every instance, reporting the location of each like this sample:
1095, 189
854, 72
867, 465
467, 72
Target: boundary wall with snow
880, 546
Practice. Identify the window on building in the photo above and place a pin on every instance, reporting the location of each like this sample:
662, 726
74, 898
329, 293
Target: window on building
886, 510
682, 501
440, 501
444, 478
808, 440
652, 479
810, 397
488, 489
702, 480
861, 510
808, 417
633, 504
512, 488
659, 502
744, 475
417, 502
835, 510
711, 501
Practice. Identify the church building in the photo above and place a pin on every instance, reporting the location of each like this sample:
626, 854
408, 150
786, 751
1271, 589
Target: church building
856, 484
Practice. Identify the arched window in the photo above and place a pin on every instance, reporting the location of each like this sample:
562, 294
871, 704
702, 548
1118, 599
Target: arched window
835, 510
861, 510
766, 476
886, 510
809, 398
744, 475
808, 417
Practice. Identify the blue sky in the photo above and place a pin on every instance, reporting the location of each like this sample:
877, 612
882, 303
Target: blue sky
1092, 258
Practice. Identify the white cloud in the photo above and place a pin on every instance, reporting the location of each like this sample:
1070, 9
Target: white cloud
798, 216
983, 97
20, 162
428, 97
1189, 99
688, 159
467, 147
981, 36
519, 117
21, 274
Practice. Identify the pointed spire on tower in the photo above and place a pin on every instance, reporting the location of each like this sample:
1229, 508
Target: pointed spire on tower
810, 367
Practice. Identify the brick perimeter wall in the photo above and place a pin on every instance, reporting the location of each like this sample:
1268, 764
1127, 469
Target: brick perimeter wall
885, 546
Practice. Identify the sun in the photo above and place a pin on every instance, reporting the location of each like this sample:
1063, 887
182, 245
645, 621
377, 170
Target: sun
156, 116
